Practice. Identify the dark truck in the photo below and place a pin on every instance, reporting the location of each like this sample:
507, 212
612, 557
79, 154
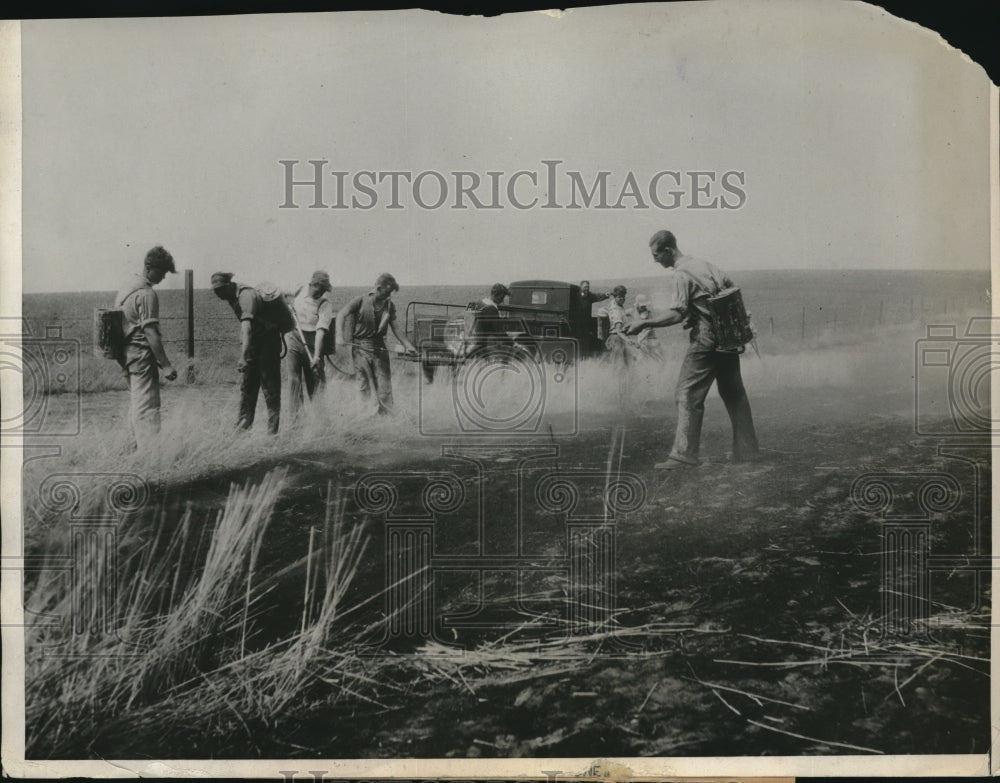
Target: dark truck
447, 335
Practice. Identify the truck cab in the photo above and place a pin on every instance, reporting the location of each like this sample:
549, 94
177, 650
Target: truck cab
448, 334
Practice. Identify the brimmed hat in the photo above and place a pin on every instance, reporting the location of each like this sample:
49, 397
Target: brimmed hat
322, 279
220, 279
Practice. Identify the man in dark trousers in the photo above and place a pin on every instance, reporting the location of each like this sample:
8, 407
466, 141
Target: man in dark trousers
260, 351
373, 314
582, 314
694, 281
144, 354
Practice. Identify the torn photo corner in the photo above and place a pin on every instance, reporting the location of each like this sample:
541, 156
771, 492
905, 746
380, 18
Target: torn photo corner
620, 404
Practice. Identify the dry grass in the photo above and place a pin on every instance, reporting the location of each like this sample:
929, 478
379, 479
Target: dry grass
191, 590
101, 375
186, 653
184, 644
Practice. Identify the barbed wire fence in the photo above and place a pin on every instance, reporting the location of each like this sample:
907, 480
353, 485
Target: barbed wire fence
211, 331
815, 320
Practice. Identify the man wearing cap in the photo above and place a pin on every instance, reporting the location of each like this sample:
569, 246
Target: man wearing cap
373, 314
260, 351
313, 311
694, 281
616, 342
144, 353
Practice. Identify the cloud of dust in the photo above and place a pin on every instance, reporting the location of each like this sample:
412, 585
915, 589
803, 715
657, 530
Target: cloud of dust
199, 437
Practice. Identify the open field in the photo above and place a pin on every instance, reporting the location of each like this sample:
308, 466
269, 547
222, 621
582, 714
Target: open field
258, 615
791, 309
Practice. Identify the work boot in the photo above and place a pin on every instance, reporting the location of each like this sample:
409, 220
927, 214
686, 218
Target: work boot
673, 463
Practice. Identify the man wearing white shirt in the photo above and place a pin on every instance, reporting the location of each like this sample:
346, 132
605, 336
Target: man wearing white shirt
314, 313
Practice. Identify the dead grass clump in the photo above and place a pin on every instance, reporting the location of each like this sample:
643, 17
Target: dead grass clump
168, 629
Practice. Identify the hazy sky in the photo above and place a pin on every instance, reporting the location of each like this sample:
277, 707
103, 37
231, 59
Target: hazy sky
862, 142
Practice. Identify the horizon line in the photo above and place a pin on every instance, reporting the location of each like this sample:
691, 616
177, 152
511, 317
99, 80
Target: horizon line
910, 270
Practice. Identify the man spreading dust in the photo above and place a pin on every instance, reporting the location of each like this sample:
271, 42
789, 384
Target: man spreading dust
313, 311
144, 354
373, 314
260, 351
694, 282
616, 341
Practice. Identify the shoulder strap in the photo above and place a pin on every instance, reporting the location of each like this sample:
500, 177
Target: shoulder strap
717, 277
119, 301
384, 321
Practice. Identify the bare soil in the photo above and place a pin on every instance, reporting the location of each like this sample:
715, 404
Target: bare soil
762, 582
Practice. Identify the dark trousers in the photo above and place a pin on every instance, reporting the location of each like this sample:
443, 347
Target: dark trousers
263, 370
374, 374
699, 370
300, 371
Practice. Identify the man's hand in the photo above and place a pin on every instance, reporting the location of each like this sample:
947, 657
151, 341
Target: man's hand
241, 365
169, 373
317, 363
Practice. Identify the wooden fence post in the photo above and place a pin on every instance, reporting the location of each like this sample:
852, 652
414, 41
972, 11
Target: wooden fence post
189, 313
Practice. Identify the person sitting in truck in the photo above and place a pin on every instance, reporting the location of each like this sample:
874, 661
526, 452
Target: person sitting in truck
488, 329
489, 307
